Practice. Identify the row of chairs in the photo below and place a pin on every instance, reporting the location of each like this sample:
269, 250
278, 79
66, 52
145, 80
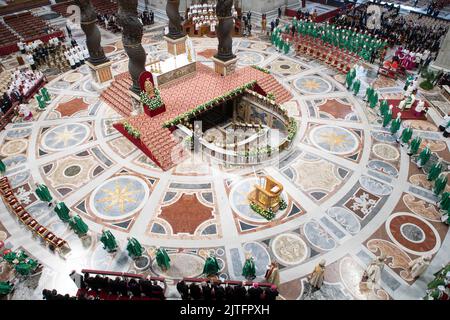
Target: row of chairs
16, 207
340, 59
27, 25
6, 36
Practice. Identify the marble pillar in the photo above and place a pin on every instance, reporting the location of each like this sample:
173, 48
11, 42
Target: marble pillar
224, 60
98, 62
176, 39
132, 33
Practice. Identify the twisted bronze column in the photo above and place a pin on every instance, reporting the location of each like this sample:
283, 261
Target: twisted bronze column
132, 33
88, 21
224, 29
173, 12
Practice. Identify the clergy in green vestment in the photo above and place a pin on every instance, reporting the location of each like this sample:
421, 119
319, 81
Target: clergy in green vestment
440, 183
10, 256
409, 80
79, 226
444, 202
26, 267
62, 211
287, 47
45, 95
162, 259
280, 44
249, 269
349, 80
2, 167
211, 266
369, 93
374, 101
43, 193
134, 248
406, 136
41, 102
5, 288
356, 87
424, 157
384, 107
435, 171
414, 146
109, 241
395, 124
387, 117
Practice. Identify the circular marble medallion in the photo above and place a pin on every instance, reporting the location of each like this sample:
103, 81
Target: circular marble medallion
335, 140
386, 152
182, 265
19, 133
289, 249
14, 147
73, 77
65, 136
374, 186
345, 218
318, 237
72, 171
3, 235
247, 58
240, 203
285, 67
413, 234
119, 197
258, 46
383, 167
312, 85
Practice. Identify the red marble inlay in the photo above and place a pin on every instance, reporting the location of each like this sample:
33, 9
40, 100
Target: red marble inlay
186, 214
71, 107
429, 241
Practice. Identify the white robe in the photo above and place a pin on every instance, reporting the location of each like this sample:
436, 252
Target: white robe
418, 266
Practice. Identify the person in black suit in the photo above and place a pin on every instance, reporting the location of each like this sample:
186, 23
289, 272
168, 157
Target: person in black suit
195, 291
123, 287
219, 292
271, 293
255, 293
183, 289
134, 287
240, 293
206, 290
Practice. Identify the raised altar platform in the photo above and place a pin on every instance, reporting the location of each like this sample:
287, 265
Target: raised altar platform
183, 95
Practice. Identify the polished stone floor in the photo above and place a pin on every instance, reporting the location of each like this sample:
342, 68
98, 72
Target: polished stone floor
352, 191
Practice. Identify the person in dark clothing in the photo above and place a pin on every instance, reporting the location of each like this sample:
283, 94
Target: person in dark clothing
195, 291
134, 287
254, 293
272, 26
279, 13
219, 292
229, 293
183, 289
206, 291
240, 293
69, 31
123, 288
271, 293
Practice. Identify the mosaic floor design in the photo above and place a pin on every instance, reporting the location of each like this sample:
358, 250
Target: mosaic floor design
352, 192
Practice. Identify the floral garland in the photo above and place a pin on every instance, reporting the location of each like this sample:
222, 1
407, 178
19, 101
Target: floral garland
152, 103
260, 150
271, 96
131, 130
292, 129
283, 204
203, 107
268, 214
260, 69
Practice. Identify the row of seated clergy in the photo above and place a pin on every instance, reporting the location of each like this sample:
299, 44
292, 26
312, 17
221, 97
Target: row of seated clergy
17, 208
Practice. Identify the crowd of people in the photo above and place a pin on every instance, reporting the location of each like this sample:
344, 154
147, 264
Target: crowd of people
201, 15
230, 293
407, 31
120, 286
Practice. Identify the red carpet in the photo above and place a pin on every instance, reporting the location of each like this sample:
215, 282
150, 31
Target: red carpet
406, 114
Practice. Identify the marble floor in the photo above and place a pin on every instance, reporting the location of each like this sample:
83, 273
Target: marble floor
352, 192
